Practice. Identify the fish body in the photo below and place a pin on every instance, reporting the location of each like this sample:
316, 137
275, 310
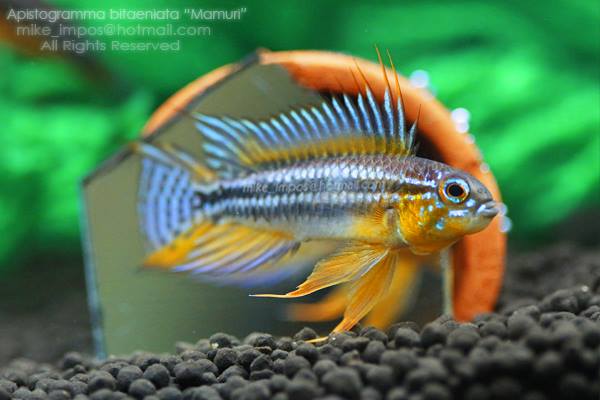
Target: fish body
371, 198
317, 199
344, 170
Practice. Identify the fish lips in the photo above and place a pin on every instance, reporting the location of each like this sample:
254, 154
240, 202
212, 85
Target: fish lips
488, 209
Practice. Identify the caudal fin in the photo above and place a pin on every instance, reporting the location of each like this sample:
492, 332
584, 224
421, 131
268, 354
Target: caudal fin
167, 202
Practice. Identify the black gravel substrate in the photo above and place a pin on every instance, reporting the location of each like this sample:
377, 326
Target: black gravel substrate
535, 347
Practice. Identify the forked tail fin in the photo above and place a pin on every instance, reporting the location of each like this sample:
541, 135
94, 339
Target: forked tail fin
168, 204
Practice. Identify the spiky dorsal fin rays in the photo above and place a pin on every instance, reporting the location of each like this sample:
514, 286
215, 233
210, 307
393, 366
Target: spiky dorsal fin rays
362, 115
406, 137
345, 265
318, 133
387, 101
341, 114
352, 125
232, 148
374, 109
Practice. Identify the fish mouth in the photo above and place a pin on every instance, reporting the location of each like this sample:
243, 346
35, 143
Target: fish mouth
489, 209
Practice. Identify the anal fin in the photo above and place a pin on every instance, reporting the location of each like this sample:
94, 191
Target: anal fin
219, 252
175, 252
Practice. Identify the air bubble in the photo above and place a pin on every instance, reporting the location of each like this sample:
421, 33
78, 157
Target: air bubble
461, 117
505, 224
462, 127
502, 208
419, 78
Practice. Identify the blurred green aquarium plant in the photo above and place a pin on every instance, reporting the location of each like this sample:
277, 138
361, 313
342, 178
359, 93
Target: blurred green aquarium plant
526, 71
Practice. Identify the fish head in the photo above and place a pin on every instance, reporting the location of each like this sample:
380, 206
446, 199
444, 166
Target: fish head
467, 204
449, 205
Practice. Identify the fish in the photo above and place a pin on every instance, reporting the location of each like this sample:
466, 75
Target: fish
343, 170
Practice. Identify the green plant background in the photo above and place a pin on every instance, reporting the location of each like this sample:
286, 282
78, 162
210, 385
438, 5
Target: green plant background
527, 71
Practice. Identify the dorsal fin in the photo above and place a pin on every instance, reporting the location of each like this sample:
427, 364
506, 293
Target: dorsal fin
338, 126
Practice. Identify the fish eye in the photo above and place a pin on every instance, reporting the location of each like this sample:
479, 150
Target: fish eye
455, 190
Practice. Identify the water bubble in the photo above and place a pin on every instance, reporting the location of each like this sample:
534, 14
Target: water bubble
462, 127
419, 78
502, 208
505, 224
485, 168
461, 117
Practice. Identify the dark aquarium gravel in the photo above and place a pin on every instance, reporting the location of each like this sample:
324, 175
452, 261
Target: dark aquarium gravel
542, 343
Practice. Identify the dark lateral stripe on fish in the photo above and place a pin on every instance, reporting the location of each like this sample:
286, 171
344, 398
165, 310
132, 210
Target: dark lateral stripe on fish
322, 188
